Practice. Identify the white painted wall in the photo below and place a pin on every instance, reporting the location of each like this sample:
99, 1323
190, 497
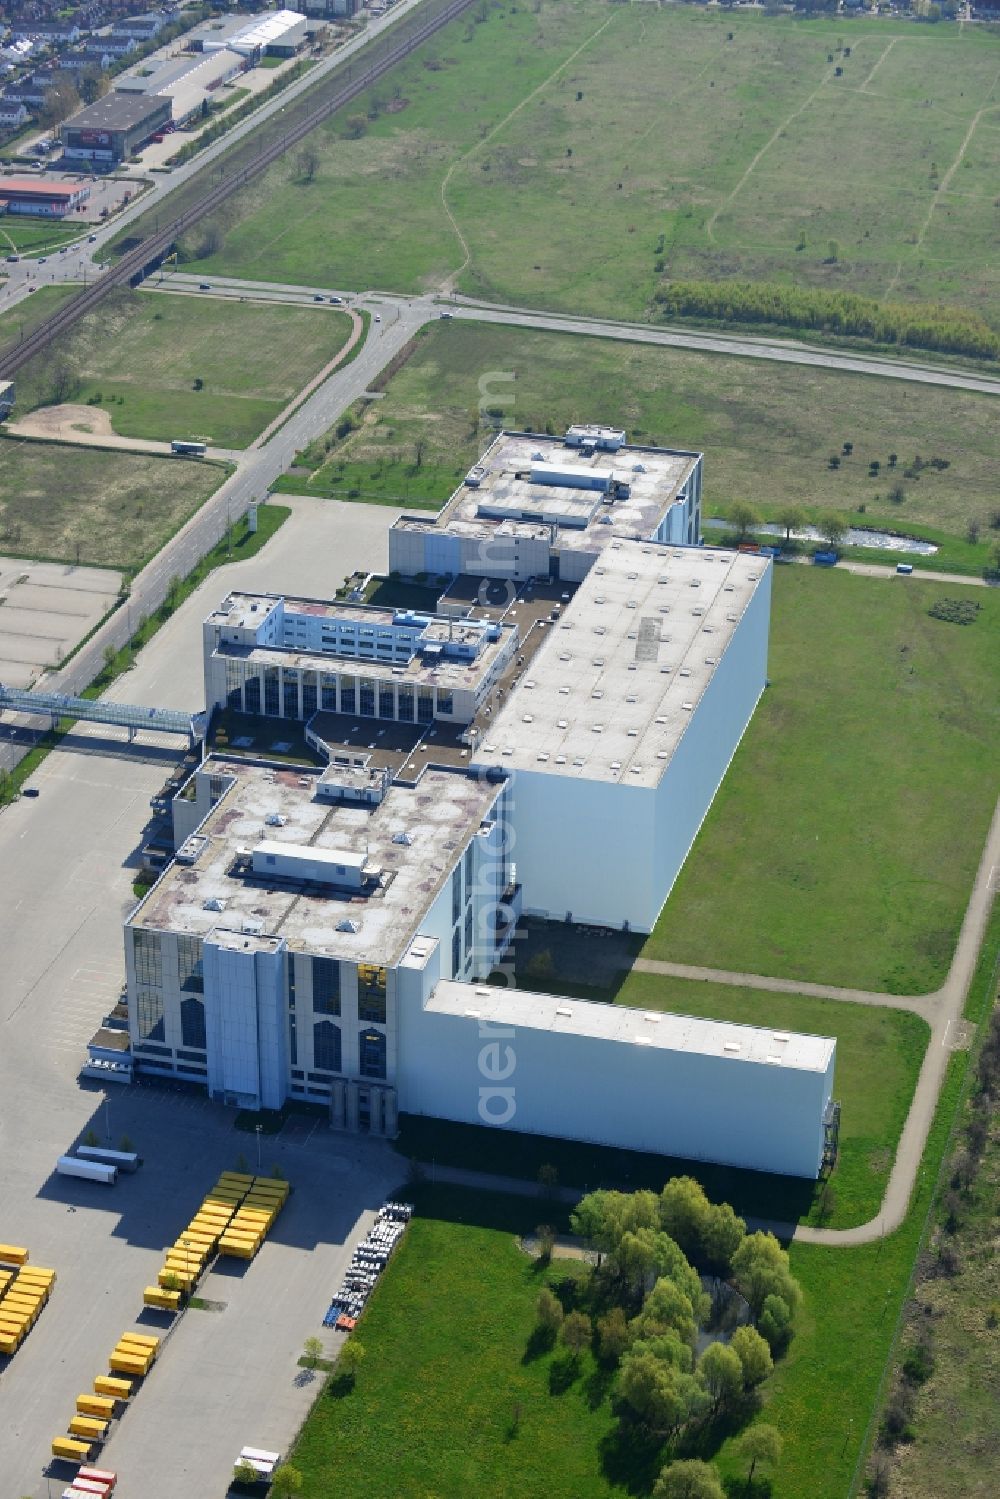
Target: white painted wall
583, 848
755, 1116
694, 774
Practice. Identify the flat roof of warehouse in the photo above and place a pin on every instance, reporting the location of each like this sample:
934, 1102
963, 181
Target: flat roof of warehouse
611, 692
491, 1005
116, 112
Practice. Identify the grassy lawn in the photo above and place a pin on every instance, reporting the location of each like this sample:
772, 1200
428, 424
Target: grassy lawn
94, 506
879, 1053
140, 355
30, 236
26, 315
843, 842
445, 1336
559, 154
767, 430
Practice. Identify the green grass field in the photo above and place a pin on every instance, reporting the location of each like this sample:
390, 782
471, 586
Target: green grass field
767, 430
19, 320
843, 842
141, 353
956, 1453
556, 155
30, 236
879, 1053
92, 506
445, 1336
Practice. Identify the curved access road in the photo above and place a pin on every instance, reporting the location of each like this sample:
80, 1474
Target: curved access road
946, 1007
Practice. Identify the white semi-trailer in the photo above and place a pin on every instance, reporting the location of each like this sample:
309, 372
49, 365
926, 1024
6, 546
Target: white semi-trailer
125, 1160
91, 1171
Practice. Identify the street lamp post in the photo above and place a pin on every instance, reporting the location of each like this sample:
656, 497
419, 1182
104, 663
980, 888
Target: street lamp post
107, 1120
258, 1129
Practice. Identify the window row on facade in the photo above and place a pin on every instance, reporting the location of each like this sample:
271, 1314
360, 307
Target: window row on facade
286, 692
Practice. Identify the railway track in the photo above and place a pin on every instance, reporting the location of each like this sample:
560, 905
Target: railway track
15, 354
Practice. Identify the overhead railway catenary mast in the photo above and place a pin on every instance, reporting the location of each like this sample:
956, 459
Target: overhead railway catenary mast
132, 265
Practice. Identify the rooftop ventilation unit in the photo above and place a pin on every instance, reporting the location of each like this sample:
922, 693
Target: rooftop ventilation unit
191, 849
565, 1011
731, 1046
252, 927
404, 838
347, 925
275, 820
214, 903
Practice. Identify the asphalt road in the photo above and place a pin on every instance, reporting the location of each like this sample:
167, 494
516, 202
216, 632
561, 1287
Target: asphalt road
226, 1378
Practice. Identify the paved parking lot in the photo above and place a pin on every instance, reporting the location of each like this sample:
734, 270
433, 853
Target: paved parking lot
229, 1377
46, 608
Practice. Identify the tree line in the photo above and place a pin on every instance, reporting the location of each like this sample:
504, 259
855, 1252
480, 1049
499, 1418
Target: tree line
916, 325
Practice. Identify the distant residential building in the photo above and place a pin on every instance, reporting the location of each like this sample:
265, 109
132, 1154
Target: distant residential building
118, 44
12, 112
48, 31
91, 57
140, 28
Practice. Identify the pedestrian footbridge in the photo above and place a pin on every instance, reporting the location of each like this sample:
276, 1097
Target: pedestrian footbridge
56, 705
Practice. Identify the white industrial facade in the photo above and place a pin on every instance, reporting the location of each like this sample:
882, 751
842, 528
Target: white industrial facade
548, 748
638, 1080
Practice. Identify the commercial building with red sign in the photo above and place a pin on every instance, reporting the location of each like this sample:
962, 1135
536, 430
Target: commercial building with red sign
107, 132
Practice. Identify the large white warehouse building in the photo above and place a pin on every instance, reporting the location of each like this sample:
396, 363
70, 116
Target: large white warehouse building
545, 745
620, 729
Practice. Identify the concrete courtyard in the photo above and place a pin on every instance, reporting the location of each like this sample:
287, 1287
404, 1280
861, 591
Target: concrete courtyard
46, 608
228, 1377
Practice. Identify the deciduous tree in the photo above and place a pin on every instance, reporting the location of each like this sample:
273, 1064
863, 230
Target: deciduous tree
688, 1480
753, 1353
744, 517
548, 1311
760, 1444
721, 1373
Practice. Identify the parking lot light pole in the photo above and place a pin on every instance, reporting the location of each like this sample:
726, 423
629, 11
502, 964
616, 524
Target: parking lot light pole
258, 1128
107, 1119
